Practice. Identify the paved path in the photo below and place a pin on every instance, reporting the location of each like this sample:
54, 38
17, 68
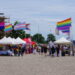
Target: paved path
37, 65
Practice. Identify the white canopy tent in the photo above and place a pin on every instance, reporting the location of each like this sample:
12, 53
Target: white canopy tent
20, 41
10, 40
63, 41
6, 41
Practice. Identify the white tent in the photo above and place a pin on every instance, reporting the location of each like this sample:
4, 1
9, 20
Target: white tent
6, 41
20, 41
62, 41
16, 41
10, 40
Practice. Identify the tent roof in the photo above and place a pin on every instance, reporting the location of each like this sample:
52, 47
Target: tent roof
27, 40
63, 41
20, 41
10, 40
6, 40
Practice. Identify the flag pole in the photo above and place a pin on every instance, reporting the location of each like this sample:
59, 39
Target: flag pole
72, 41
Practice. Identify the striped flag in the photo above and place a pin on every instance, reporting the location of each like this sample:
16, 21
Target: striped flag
27, 27
2, 25
64, 25
20, 26
8, 28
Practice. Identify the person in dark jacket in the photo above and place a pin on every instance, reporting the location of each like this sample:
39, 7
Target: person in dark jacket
42, 50
53, 50
57, 49
23, 49
45, 49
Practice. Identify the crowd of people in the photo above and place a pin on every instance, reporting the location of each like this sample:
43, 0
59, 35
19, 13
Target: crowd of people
50, 49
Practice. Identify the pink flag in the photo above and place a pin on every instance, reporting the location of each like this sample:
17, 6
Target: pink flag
2, 25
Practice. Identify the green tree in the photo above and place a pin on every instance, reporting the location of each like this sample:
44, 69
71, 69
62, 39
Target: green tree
50, 37
16, 22
2, 34
38, 38
27, 35
15, 34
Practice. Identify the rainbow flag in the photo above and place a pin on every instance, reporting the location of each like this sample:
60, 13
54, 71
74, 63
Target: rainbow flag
2, 25
64, 25
8, 28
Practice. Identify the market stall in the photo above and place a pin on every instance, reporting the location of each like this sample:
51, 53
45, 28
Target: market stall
66, 44
9, 43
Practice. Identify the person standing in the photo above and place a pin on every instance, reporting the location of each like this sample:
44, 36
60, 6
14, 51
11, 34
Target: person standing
35, 50
42, 49
51, 47
57, 49
45, 49
23, 49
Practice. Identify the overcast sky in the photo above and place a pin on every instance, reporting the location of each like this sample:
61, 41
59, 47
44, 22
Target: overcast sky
41, 14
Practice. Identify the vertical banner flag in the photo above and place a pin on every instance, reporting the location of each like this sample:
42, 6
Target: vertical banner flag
2, 25
64, 25
8, 28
